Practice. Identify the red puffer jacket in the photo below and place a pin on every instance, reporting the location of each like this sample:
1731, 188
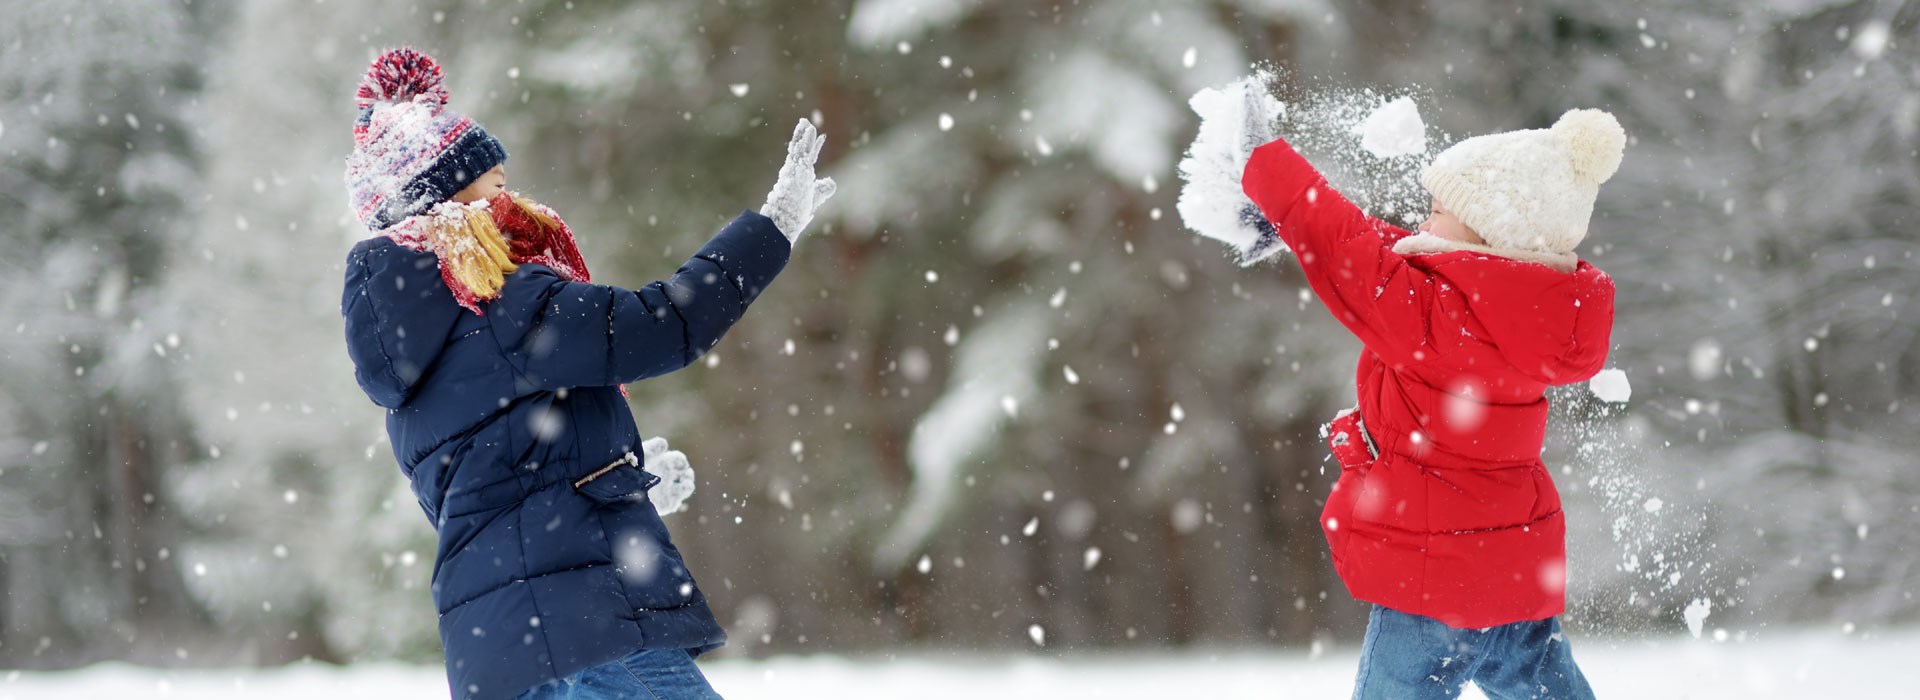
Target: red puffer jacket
1443, 507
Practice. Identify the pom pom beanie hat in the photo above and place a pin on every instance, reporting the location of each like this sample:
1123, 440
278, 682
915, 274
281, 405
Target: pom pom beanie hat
411, 155
1528, 193
409, 151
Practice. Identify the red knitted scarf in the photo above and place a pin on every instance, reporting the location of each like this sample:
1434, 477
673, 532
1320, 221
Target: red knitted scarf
528, 242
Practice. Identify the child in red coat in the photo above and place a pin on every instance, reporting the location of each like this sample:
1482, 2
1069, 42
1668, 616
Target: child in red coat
1444, 516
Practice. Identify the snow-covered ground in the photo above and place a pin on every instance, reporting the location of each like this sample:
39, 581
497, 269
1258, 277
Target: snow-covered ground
1803, 664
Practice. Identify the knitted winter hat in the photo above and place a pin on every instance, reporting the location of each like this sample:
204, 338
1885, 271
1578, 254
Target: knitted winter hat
409, 151
1530, 193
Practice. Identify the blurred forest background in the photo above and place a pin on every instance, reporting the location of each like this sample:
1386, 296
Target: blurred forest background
999, 387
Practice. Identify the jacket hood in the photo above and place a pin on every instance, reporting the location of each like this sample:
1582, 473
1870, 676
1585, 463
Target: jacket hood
1554, 327
398, 314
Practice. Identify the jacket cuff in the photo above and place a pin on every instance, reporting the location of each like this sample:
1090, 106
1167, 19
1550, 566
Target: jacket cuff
1276, 176
751, 250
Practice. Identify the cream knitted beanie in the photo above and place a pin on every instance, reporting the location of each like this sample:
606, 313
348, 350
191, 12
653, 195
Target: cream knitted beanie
1530, 191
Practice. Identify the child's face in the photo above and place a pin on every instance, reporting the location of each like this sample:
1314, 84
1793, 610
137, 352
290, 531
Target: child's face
490, 183
1444, 224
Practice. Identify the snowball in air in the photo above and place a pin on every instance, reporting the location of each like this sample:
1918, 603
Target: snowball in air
1696, 615
1611, 385
1395, 129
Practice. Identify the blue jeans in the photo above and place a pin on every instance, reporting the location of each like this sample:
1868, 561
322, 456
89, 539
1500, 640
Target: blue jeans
648, 674
1411, 656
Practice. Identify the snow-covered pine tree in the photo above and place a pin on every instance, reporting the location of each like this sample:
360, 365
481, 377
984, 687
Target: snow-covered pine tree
100, 170
313, 542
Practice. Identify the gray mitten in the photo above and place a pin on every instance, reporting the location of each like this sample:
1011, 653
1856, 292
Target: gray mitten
676, 475
796, 194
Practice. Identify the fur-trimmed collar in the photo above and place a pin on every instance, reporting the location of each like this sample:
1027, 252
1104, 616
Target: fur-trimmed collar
1427, 243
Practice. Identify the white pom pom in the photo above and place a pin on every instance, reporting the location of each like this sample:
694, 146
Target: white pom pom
1594, 143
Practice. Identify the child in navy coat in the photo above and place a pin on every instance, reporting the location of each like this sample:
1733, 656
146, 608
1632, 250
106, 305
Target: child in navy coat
471, 317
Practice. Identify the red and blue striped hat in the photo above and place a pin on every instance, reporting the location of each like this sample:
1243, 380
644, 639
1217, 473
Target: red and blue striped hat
409, 151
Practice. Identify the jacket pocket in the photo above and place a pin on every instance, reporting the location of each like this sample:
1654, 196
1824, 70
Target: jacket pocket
1478, 500
620, 481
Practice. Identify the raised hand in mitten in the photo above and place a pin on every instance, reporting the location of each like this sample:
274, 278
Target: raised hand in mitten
676, 475
1234, 120
796, 194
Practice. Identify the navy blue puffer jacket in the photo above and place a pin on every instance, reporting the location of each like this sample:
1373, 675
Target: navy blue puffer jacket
494, 418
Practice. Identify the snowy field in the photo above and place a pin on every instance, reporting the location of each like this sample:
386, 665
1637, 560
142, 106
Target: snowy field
1805, 664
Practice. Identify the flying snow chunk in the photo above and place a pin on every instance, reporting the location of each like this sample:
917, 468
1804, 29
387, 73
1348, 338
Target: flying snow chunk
1187, 516
946, 122
1871, 40
636, 557
925, 565
738, 89
1037, 634
1696, 615
1395, 129
1091, 558
1704, 360
1611, 386
1189, 58
1464, 405
1653, 505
